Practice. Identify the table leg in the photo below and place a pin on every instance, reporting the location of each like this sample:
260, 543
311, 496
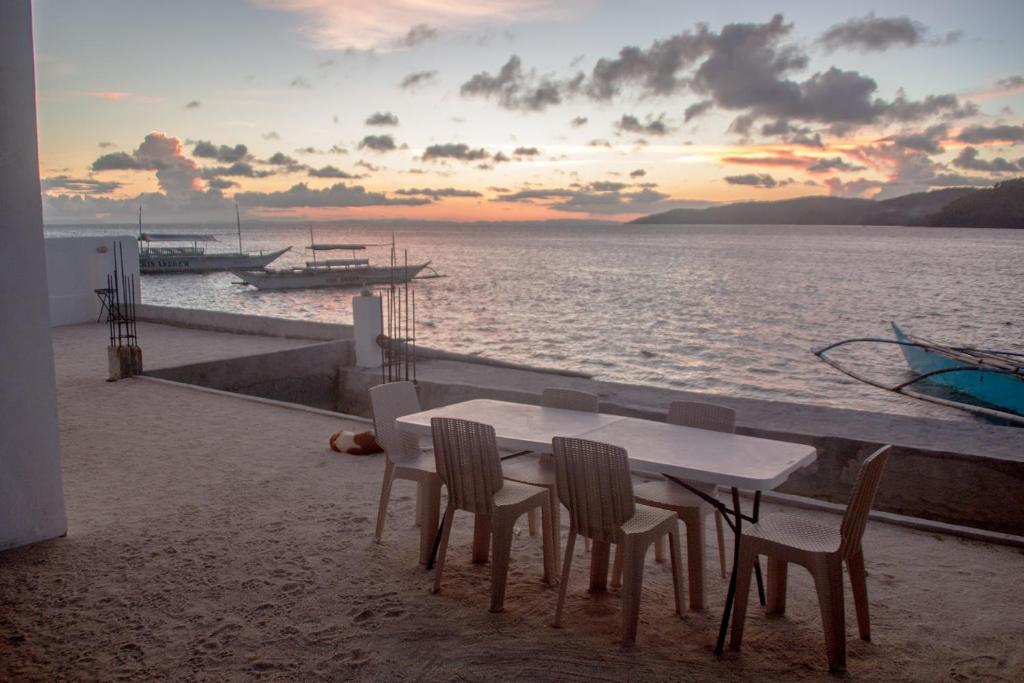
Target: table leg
757, 560
481, 538
599, 551
737, 527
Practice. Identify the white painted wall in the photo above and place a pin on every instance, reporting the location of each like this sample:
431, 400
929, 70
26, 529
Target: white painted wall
367, 326
31, 497
76, 266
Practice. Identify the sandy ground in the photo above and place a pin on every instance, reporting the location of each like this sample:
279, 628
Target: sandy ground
215, 538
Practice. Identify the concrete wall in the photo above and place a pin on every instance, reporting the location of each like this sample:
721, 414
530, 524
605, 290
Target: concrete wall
307, 375
76, 266
31, 498
242, 324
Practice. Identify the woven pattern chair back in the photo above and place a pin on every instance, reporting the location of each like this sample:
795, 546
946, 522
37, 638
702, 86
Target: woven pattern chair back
467, 460
702, 416
856, 517
595, 485
569, 399
391, 401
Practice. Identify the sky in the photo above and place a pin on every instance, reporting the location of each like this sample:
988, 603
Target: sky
514, 109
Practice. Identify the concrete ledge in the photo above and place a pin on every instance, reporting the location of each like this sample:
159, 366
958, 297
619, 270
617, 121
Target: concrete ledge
307, 375
242, 324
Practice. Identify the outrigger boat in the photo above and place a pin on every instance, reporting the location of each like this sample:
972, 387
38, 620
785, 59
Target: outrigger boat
336, 273
991, 382
193, 258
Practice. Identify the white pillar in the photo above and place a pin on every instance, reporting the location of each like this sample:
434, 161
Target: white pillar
367, 326
31, 498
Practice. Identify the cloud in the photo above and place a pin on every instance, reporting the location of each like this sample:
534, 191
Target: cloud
193, 104
368, 166
697, 109
976, 135
598, 197
579, 121
331, 172
638, 173
301, 83
104, 145
378, 143
762, 180
418, 78
437, 193
781, 159
239, 169
338, 195
86, 186
860, 187
384, 26
969, 161
176, 174
599, 142
382, 119
631, 124
459, 151
928, 141
112, 96
337, 149
833, 164
117, 161
654, 71
222, 153
1011, 82
874, 34
281, 159
525, 152
418, 34
272, 135
516, 90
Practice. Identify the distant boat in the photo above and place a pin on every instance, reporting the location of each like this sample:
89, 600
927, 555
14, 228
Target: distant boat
189, 255
336, 273
978, 380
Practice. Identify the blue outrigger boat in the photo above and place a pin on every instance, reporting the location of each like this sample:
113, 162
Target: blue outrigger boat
990, 382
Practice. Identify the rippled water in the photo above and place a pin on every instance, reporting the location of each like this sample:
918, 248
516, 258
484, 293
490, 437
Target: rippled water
725, 309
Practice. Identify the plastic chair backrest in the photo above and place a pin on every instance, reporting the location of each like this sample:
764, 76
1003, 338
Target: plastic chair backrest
702, 416
391, 401
569, 399
594, 484
467, 460
864, 490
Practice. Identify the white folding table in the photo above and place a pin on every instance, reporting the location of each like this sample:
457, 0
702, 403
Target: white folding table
679, 453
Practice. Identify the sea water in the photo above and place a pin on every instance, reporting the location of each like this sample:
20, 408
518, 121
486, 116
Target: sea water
733, 310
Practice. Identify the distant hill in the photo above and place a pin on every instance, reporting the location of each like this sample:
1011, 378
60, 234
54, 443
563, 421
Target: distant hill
1002, 206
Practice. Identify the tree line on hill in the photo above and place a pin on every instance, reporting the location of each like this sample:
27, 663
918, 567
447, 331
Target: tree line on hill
1001, 206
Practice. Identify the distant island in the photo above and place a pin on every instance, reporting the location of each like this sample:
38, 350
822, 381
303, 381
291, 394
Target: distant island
1001, 206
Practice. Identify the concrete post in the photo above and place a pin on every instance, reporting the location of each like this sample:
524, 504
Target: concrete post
31, 498
367, 325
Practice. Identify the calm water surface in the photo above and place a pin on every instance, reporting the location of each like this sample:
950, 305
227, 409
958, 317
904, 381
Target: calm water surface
723, 309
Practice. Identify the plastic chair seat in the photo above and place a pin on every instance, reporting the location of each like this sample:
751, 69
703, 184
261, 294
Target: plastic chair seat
647, 520
513, 494
795, 532
416, 461
666, 493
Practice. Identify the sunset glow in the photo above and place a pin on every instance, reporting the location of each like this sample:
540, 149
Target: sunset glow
518, 110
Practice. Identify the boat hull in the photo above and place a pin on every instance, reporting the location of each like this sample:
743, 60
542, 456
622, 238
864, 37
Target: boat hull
204, 263
999, 389
310, 278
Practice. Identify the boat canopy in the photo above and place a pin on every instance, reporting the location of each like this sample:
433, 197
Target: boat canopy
331, 246
177, 237
339, 262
